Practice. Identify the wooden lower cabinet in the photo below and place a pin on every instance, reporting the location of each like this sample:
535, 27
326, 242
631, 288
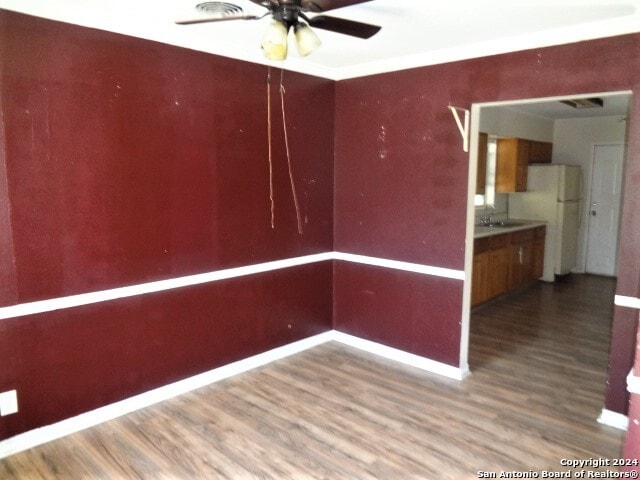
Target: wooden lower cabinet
498, 272
537, 262
505, 262
480, 273
520, 267
480, 278
521, 258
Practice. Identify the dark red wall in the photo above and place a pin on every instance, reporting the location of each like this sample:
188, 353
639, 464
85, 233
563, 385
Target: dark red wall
632, 441
129, 161
384, 305
401, 182
125, 161
84, 357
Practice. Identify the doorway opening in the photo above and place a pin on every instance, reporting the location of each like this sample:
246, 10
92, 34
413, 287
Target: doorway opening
592, 139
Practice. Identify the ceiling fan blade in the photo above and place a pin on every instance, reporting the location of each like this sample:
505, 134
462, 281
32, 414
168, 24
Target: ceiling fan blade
326, 5
217, 19
264, 3
346, 27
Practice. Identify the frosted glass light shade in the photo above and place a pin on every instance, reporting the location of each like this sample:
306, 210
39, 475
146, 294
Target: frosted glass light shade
274, 42
306, 39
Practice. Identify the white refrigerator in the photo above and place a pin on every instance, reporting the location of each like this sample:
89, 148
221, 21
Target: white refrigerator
554, 194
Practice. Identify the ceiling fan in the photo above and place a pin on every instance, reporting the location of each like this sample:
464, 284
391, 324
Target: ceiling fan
290, 14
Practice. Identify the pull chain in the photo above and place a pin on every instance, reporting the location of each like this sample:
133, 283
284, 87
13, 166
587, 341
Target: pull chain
286, 143
270, 150
272, 203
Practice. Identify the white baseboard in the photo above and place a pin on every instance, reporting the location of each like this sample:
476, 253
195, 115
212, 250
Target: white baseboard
401, 356
613, 419
45, 434
39, 436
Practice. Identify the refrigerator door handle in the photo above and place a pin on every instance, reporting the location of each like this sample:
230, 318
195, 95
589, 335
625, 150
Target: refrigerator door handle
580, 196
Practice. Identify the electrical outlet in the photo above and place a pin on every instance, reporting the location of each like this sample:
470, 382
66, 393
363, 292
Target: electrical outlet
8, 403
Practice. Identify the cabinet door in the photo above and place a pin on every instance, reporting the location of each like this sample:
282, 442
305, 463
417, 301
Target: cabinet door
522, 165
540, 152
537, 263
512, 161
520, 266
498, 271
537, 254
507, 153
480, 278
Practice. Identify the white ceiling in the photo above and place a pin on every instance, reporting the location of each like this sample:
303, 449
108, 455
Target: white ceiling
414, 32
614, 104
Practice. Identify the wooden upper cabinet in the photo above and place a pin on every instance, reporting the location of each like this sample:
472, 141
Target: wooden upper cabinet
512, 161
481, 177
540, 152
513, 157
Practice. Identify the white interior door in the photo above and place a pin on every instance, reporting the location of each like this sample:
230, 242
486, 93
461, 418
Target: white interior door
604, 209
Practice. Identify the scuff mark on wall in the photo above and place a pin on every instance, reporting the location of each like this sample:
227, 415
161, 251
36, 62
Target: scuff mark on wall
382, 140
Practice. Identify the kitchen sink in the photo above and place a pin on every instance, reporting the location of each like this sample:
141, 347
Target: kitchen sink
504, 224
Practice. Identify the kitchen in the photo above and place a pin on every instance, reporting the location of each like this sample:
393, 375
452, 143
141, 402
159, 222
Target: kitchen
513, 229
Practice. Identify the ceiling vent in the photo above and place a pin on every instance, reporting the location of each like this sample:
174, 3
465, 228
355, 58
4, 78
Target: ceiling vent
584, 102
219, 9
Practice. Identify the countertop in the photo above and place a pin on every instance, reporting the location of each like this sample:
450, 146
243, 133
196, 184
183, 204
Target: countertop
481, 231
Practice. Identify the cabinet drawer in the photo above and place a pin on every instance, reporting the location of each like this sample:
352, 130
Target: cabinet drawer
522, 236
499, 241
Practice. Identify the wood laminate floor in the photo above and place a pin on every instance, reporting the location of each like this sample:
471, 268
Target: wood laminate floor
538, 365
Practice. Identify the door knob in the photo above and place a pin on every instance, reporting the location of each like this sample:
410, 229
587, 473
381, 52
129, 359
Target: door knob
593, 213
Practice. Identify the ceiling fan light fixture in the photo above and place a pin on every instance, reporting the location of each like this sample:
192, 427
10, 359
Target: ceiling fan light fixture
306, 39
274, 42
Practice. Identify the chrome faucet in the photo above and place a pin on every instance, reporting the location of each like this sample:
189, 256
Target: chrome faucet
486, 219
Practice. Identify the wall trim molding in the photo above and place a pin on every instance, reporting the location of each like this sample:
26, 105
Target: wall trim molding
613, 419
633, 383
624, 301
71, 301
399, 265
48, 433
49, 305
